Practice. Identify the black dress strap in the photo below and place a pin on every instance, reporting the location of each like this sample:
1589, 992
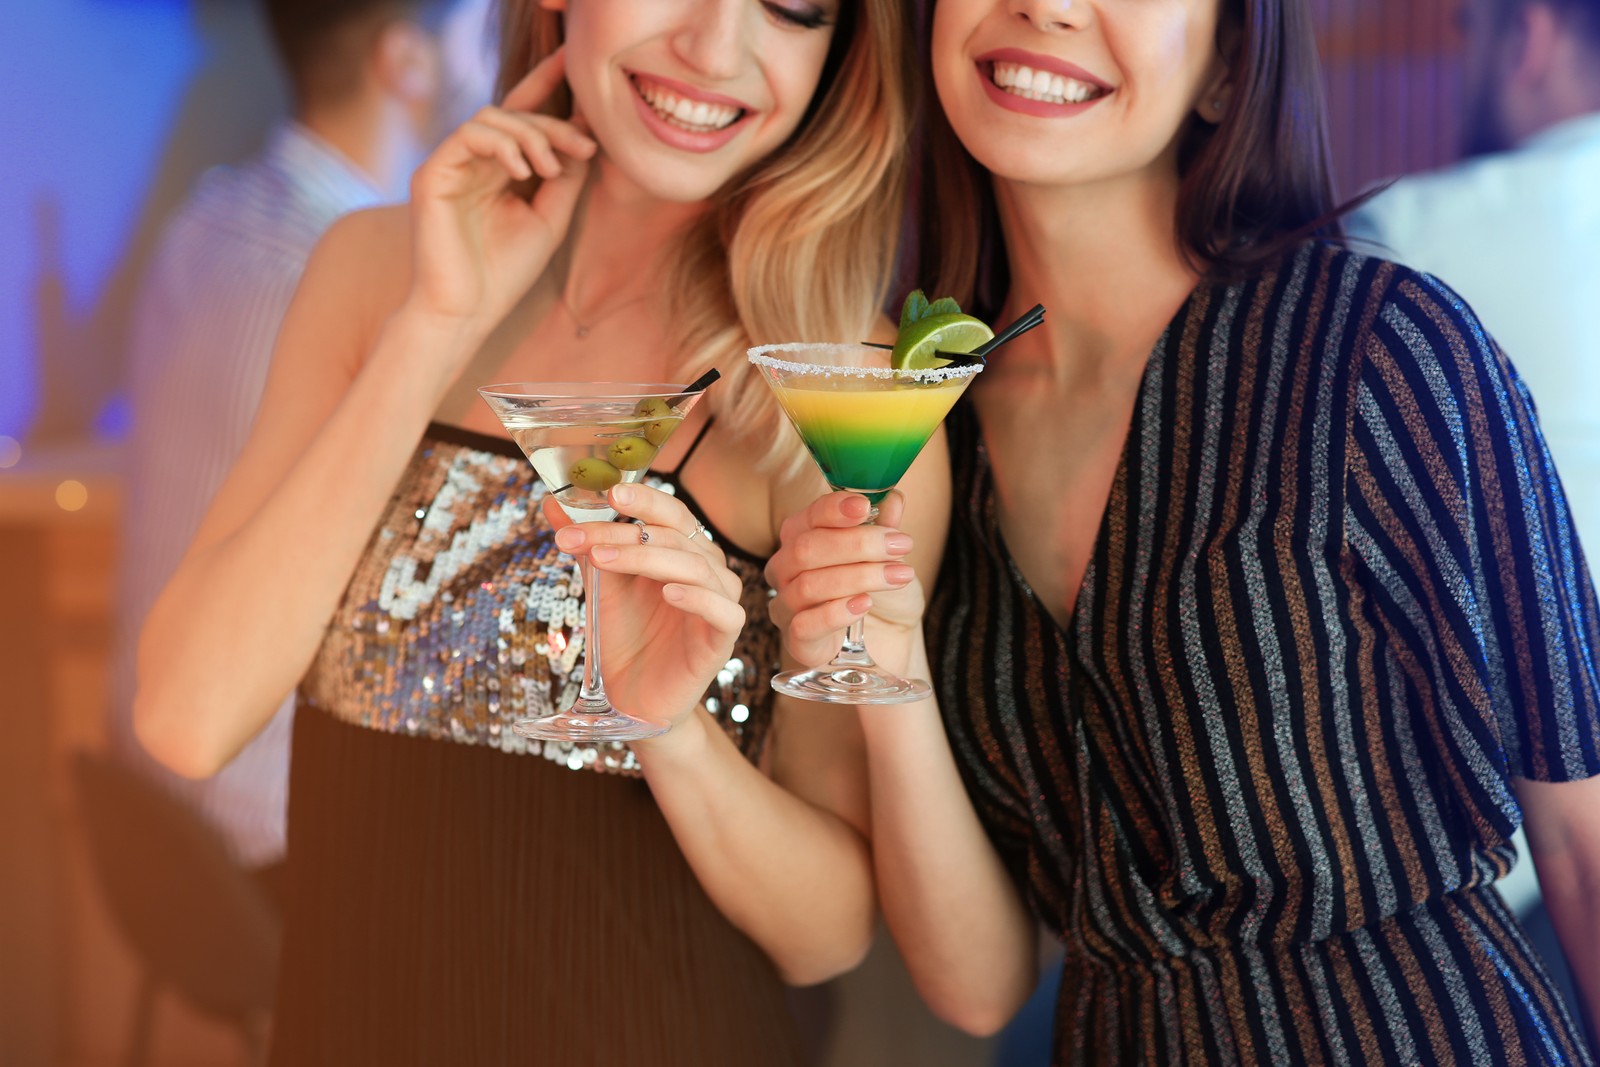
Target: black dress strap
687, 456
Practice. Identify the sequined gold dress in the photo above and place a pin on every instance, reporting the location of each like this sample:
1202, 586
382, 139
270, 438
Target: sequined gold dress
460, 895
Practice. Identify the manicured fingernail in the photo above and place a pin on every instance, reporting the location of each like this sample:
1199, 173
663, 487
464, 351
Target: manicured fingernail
622, 494
859, 605
895, 573
673, 593
898, 544
855, 507
606, 553
569, 538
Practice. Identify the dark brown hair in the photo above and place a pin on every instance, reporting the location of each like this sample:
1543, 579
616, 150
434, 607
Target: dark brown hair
1256, 183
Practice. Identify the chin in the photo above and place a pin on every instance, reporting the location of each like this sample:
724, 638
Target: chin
676, 181
1015, 159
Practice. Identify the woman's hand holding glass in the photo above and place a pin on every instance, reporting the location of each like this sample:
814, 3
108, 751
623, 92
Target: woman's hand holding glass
671, 603
479, 241
831, 570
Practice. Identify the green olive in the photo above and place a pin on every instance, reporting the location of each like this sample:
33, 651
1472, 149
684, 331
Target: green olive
595, 475
631, 453
658, 431
652, 408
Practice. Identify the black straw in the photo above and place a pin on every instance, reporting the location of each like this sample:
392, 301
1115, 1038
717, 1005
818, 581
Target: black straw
700, 384
1025, 322
1029, 319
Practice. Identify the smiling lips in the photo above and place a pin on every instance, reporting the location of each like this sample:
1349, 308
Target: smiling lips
1039, 85
1043, 86
692, 115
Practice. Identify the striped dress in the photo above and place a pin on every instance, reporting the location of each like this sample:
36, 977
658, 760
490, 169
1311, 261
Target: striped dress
1260, 784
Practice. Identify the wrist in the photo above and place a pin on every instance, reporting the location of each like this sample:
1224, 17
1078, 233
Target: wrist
430, 342
896, 647
685, 743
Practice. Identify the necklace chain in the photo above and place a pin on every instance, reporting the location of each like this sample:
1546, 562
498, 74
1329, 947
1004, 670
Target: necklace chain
582, 327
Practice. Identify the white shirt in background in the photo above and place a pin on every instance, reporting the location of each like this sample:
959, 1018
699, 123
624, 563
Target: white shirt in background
203, 335
1517, 234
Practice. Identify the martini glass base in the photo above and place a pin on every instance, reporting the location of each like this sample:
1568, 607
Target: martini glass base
588, 725
848, 684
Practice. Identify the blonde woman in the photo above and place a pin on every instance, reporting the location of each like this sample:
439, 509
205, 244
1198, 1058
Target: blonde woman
723, 172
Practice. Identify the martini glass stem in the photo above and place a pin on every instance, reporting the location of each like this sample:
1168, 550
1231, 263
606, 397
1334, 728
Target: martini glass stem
854, 651
592, 694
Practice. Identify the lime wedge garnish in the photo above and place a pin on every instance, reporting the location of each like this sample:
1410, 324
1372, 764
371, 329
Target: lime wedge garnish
919, 342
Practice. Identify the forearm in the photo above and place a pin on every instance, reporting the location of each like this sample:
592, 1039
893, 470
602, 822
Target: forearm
241, 619
796, 879
961, 925
1570, 884
1564, 844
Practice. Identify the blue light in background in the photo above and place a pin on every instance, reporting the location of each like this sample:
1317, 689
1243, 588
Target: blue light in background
90, 90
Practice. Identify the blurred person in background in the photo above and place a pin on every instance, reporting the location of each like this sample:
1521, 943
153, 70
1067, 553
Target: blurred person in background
1515, 229
372, 87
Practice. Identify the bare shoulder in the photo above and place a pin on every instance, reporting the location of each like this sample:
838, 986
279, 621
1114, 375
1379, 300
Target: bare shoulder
368, 254
357, 276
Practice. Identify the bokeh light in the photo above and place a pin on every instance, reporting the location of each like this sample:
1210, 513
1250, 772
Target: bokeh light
71, 495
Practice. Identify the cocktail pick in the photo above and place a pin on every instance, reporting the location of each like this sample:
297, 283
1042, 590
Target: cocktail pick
955, 358
699, 385
1025, 322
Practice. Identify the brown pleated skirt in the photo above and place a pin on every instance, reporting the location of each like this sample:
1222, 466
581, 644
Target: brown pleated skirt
454, 905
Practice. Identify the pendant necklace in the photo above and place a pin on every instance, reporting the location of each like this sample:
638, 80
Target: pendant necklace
582, 327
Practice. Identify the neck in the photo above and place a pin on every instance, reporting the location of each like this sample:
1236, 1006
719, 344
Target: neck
617, 243
1103, 259
374, 135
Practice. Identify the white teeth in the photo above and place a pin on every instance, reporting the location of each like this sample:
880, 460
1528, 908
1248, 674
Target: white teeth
691, 115
1041, 85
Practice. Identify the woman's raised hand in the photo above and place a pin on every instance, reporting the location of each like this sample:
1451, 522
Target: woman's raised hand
479, 244
830, 570
669, 602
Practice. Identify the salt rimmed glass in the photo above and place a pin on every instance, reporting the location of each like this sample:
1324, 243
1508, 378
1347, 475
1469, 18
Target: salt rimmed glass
864, 425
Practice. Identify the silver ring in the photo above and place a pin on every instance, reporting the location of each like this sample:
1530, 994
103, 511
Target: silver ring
699, 528
644, 535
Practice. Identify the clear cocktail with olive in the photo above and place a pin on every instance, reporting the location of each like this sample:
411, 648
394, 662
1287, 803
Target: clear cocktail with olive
584, 439
580, 461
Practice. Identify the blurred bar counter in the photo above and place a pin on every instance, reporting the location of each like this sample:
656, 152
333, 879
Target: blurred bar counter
67, 980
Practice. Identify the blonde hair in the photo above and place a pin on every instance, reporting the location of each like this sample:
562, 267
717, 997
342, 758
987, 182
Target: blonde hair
799, 248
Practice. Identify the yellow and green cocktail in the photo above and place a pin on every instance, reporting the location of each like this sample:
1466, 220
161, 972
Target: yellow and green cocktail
865, 433
864, 424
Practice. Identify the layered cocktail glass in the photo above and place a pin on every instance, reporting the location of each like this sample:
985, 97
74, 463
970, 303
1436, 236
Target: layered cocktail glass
864, 424
582, 439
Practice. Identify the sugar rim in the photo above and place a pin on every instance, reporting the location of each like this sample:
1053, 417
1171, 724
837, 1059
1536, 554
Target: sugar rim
760, 358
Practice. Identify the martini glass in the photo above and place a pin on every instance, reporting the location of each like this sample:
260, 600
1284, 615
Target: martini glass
864, 425
582, 439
